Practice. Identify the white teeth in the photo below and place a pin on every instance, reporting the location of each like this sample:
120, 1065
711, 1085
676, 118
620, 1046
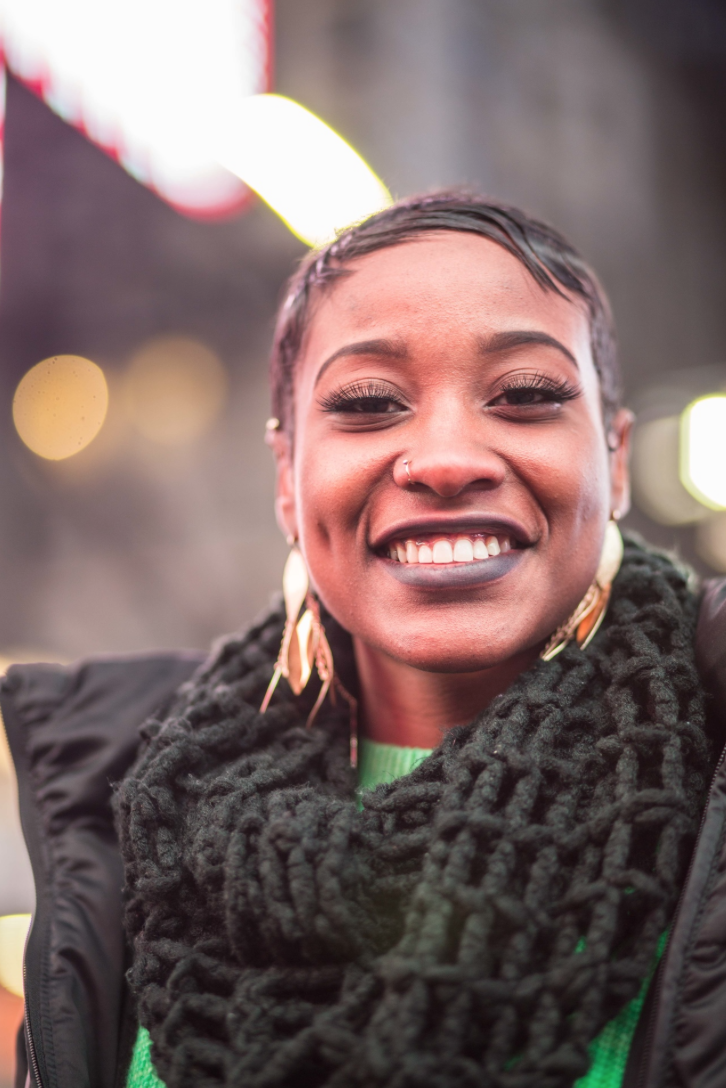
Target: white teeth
443, 552
460, 549
463, 550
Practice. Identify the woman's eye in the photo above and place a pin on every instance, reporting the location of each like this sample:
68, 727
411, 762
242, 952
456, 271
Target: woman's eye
370, 406
526, 396
547, 394
363, 400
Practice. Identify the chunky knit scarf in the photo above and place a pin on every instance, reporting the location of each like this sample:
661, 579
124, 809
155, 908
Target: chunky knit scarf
475, 924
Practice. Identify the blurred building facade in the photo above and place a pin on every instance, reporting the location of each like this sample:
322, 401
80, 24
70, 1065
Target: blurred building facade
603, 117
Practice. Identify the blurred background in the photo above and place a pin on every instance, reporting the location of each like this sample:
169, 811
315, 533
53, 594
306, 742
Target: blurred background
604, 117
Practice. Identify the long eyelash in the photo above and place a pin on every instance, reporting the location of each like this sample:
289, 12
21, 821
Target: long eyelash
363, 390
561, 389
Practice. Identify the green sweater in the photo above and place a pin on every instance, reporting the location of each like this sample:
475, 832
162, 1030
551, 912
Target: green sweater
384, 763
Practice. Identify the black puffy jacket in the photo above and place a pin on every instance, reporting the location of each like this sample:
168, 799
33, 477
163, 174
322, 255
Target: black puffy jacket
73, 732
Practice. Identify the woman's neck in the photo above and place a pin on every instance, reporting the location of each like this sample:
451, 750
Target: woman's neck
405, 706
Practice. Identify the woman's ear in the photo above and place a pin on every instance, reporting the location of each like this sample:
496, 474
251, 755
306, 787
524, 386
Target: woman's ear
285, 510
618, 438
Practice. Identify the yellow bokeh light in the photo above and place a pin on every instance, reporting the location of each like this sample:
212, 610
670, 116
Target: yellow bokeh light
175, 388
60, 405
703, 450
13, 933
315, 181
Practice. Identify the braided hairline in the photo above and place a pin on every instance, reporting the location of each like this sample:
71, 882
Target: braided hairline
553, 263
432, 939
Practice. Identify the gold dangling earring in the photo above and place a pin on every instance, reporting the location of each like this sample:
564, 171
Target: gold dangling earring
585, 621
295, 584
304, 645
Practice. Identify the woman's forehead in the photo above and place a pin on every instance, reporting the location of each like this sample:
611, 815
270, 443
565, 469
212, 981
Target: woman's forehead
444, 283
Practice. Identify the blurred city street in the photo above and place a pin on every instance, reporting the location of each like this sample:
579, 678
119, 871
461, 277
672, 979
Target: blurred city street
603, 117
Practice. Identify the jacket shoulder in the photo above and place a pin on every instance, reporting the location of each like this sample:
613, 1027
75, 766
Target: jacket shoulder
73, 732
94, 686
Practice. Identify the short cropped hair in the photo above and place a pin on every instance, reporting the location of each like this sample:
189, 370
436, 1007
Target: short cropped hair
549, 259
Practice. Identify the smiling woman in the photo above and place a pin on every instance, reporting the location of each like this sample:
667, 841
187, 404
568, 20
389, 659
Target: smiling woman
483, 900
451, 459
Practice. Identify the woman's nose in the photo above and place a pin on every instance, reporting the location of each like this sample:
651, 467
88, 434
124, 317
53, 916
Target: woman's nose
449, 463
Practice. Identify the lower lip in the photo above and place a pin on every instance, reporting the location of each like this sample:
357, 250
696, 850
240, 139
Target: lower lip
454, 575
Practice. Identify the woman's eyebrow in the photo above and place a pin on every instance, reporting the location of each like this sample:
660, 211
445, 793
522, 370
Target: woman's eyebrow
516, 338
390, 348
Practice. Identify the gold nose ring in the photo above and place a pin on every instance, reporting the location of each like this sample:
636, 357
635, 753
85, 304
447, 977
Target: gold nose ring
408, 473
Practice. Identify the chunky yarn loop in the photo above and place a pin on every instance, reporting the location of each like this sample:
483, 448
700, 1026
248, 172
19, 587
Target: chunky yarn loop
475, 925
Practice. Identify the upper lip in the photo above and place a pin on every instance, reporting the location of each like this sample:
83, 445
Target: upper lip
496, 525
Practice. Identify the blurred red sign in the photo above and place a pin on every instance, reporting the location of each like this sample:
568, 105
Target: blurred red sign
156, 83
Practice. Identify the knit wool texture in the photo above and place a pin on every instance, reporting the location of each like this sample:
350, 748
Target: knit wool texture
476, 924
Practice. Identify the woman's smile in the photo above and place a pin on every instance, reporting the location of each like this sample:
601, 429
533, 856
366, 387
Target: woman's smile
456, 548
447, 556
440, 572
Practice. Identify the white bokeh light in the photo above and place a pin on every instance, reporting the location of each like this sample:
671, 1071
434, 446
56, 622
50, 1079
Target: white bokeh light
304, 170
703, 450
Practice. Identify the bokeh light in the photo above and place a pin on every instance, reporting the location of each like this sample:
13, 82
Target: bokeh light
60, 405
304, 170
657, 487
175, 388
13, 933
703, 450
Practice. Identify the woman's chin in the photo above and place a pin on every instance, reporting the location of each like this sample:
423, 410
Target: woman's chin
452, 651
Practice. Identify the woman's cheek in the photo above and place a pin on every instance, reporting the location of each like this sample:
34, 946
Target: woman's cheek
331, 491
569, 475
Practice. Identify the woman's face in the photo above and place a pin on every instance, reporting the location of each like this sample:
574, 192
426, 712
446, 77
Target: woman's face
446, 353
